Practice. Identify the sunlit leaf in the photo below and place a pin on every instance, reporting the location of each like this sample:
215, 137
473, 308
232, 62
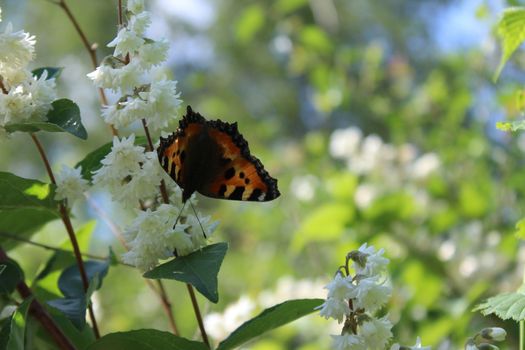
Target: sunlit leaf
326, 223
505, 306
18, 327
511, 29
511, 126
200, 269
145, 339
520, 229
250, 21
269, 319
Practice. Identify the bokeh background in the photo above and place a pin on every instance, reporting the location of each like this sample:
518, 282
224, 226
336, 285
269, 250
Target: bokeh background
378, 119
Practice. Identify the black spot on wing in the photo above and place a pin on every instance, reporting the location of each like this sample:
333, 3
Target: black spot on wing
228, 174
237, 193
222, 190
256, 193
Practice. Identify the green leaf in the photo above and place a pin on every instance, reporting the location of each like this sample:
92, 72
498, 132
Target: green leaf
199, 269
10, 275
511, 30
286, 6
316, 39
70, 282
18, 327
73, 308
250, 22
52, 72
511, 126
63, 117
80, 338
269, 319
145, 339
505, 306
92, 161
76, 300
326, 223
25, 205
520, 229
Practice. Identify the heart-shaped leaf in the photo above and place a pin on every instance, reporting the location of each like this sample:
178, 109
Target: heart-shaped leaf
64, 116
73, 308
17, 327
145, 339
200, 269
269, 319
70, 281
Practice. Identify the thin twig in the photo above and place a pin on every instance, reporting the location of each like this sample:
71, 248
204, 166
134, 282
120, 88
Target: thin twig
198, 314
45, 246
70, 231
37, 310
167, 307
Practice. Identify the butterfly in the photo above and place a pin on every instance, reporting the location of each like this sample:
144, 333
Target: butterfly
211, 157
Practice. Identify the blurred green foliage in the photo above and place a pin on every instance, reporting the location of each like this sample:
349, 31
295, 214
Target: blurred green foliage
291, 72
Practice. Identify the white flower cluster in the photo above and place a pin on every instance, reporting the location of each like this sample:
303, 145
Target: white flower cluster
70, 184
354, 300
22, 96
127, 72
129, 172
152, 236
485, 338
386, 166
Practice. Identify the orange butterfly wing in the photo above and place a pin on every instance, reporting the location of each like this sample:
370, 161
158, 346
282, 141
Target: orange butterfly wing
240, 175
225, 170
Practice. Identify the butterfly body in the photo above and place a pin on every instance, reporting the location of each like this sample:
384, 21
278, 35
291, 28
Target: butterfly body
213, 158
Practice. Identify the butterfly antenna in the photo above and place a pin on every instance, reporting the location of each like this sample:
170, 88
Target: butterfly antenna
178, 216
197, 216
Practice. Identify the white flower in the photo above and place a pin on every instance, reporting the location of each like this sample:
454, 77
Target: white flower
139, 22
120, 77
136, 6
424, 166
164, 100
151, 237
375, 263
43, 93
196, 225
70, 184
376, 332
344, 142
126, 112
334, 308
126, 42
144, 183
15, 106
348, 342
340, 287
419, 346
153, 53
16, 49
368, 294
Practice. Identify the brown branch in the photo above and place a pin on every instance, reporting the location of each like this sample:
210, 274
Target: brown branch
167, 307
71, 233
37, 311
198, 315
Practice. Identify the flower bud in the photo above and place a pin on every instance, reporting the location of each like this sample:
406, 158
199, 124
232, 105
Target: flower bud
493, 333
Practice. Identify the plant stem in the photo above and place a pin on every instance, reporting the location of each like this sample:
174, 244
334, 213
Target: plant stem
167, 307
45, 246
198, 315
71, 232
165, 197
37, 310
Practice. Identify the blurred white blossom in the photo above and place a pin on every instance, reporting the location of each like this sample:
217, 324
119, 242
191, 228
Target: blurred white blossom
16, 49
70, 184
348, 342
376, 332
